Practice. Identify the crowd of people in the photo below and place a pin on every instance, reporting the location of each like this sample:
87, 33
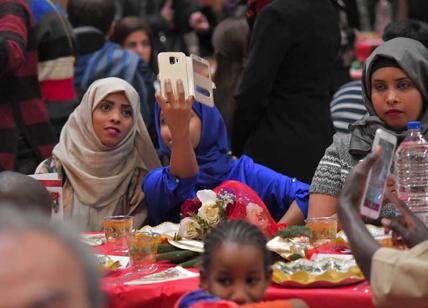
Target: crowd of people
79, 98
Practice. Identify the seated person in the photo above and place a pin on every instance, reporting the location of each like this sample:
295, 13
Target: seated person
397, 278
103, 154
235, 270
34, 197
195, 138
92, 21
44, 265
347, 105
395, 91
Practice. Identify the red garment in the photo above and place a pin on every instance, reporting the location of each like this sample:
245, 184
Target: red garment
22, 111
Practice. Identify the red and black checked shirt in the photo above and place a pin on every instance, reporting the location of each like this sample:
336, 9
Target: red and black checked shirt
22, 110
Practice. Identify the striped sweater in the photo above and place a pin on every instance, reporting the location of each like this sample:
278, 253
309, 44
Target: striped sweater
55, 45
22, 111
347, 106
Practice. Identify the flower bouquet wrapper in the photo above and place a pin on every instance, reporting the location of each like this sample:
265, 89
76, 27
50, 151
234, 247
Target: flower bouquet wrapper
232, 200
248, 206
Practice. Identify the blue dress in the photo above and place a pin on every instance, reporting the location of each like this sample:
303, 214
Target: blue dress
164, 192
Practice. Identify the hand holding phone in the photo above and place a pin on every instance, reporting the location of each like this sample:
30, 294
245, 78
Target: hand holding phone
193, 71
176, 109
378, 175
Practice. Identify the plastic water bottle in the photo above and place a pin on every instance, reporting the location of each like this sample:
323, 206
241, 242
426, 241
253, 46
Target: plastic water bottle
411, 171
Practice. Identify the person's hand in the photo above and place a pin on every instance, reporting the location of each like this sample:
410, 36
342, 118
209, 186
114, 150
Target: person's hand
408, 228
353, 191
199, 22
176, 109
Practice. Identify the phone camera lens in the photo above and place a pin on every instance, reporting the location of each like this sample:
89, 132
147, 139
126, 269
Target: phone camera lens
171, 60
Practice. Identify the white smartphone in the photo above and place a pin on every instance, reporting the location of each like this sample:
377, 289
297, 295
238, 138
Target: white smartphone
194, 71
378, 175
173, 66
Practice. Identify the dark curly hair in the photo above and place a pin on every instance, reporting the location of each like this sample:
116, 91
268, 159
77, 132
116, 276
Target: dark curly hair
236, 231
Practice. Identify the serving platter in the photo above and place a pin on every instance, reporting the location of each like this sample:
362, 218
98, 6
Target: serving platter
328, 272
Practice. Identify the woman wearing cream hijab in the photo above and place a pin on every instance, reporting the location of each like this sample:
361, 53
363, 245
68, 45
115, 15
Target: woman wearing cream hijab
103, 154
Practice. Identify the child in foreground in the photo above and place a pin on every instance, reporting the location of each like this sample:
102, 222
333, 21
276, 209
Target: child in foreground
234, 270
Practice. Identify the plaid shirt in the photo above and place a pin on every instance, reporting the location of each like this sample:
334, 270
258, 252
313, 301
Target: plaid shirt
22, 110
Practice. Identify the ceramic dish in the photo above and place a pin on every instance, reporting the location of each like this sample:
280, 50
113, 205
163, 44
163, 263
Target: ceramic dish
196, 246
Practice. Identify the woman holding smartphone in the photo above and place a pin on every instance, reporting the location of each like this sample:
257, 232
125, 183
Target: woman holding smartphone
395, 91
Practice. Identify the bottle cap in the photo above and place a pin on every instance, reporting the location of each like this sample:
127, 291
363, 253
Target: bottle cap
414, 125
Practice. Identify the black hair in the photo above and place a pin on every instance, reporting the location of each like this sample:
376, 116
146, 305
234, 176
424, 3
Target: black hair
413, 29
236, 231
96, 13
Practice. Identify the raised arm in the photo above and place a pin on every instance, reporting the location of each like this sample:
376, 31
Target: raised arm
176, 112
362, 243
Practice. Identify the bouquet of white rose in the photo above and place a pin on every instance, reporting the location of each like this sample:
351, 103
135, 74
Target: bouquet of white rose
230, 201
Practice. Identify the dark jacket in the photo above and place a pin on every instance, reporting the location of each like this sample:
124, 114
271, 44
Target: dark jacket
283, 117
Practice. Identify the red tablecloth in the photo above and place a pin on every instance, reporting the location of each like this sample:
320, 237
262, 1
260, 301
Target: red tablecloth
164, 295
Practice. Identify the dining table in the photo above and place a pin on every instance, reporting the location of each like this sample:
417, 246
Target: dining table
165, 294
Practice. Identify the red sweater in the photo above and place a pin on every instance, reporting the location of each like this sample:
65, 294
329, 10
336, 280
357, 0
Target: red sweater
22, 110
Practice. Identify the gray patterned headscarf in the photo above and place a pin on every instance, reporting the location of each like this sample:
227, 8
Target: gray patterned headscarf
412, 57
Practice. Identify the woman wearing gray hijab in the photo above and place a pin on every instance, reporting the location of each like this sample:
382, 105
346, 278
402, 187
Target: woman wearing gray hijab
395, 91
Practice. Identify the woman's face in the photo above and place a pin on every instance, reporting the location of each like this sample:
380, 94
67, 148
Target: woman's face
195, 127
396, 100
139, 43
237, 273
112, 119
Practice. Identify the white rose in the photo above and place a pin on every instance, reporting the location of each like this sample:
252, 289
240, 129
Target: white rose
210, 212
206, 196
189, 228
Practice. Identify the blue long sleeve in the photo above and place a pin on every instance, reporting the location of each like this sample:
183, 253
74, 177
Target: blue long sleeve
275, 189
164, 193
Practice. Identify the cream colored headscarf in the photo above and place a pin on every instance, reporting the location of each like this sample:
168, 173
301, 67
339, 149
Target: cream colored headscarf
99, 174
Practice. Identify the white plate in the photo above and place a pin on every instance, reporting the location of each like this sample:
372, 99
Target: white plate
196, 246
166, 228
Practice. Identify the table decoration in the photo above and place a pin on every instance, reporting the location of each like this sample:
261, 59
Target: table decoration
328, 272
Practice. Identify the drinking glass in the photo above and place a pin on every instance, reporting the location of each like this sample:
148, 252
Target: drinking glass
143, 248
117, 229
323, 229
